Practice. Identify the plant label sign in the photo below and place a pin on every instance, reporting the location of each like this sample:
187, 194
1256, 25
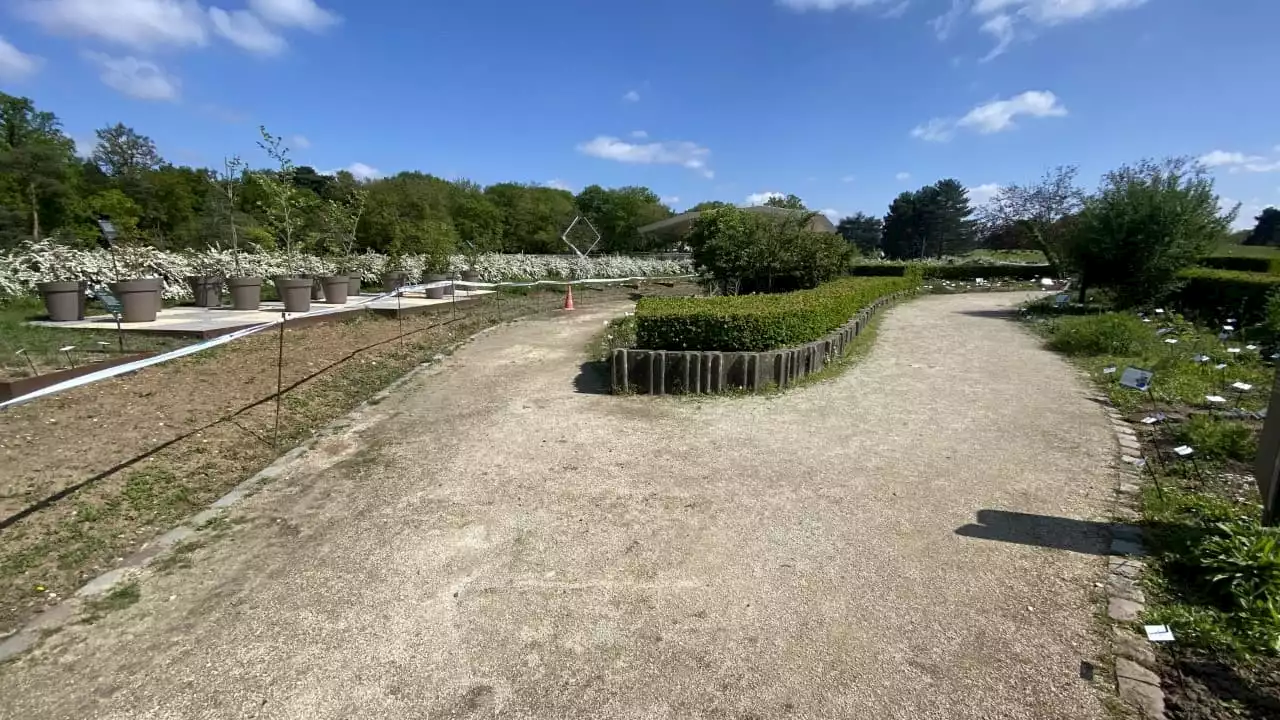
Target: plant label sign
1136, 378
1062, 300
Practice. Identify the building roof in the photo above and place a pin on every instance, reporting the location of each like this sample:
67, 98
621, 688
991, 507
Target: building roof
683, 222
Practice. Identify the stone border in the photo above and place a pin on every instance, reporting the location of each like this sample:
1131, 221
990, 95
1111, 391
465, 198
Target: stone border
1137, 676
674, 372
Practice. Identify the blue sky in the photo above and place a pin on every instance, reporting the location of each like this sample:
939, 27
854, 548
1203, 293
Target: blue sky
843, 102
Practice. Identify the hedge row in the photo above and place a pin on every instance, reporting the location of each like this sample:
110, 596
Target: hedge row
1243, 264
1214, 295
955, 272
751, 323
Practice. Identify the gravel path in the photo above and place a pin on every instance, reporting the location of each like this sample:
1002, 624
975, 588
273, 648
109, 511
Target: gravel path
491, 543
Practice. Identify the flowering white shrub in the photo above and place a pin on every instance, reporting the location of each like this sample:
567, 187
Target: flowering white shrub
37, 262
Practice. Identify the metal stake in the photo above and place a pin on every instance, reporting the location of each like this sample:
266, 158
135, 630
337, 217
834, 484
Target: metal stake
400, 314
275, 442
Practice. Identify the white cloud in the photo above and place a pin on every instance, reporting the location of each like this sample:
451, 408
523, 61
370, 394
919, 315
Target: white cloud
982, 194
943, 24
299, 142
902, 176
136, 78
672, 200
1000, 27
802, 5
936, 130
639, 135
16, 65
1239, 162
558, 185
135, 23
1006, 18
683, 153
244, 29
993, 117
631, 96
359, 170
847, 179
761, 198
294, 13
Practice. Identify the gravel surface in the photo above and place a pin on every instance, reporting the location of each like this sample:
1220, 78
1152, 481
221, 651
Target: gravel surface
491, 543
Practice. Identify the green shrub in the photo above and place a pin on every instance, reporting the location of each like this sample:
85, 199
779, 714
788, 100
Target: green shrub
967, 271
1109, 334
744, 252
1240, 564
1243, 263
748, 323
1219, 439
1212, 295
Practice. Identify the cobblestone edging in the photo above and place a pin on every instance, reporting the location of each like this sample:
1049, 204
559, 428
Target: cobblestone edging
1137, 677
675, 372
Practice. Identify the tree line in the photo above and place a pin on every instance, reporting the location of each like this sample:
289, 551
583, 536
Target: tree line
47, 190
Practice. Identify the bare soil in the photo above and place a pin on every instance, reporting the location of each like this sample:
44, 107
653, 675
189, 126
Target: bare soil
89, 475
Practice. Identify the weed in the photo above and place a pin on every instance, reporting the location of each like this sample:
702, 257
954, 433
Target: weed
1218, 438
1109, 334
118, 598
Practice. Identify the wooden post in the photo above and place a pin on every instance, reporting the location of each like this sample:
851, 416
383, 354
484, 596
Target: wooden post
1267, 469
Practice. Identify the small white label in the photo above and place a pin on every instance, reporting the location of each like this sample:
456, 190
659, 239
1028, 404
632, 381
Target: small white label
1215, 398
1159, 311
1250, 347
1158, 633
1228, 328
1109, 370
1201, 358
1220, 366
1171, 341
1242, 386
1163, 331
1183, 450
1234, 351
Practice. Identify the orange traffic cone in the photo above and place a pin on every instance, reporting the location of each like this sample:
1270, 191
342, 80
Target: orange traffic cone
568, 299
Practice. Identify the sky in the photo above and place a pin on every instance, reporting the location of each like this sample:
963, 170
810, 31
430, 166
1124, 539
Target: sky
845, 103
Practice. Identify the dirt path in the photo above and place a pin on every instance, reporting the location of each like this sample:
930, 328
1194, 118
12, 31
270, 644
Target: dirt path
491, 543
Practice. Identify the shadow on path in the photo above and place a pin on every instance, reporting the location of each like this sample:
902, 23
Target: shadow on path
1081, 536
593, 378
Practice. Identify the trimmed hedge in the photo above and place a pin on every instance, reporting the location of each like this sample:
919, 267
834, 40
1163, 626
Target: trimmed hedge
751, 323
1243, 264
1212, 295
968, 271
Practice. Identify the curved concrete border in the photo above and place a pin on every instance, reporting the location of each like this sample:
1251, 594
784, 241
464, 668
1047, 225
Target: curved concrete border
674, 372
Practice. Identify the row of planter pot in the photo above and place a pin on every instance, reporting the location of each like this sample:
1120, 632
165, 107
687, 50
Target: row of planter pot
140, 299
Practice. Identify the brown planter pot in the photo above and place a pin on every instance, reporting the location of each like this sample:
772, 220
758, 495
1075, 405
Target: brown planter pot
470, 276
435, 293
246, 292
206, 289
138, 299
295, 292
64, 301
335, 289
394, 280
353, 285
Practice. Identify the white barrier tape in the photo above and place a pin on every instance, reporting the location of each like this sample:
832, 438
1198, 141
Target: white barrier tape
136, 365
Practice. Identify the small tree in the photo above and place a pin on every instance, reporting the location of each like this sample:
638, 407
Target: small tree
226, 183
1267, 231
287, 204
1146, 223
789, 202
1039, 210
342, 218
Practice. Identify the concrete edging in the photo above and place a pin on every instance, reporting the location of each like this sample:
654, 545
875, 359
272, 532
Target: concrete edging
1137, 673
675, 372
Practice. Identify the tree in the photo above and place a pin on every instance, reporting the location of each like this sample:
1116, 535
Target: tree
709, 205
475, 217
746, 252
902, 231
1038, 209
35, 162
952, 230
862, 231
286, 207
122, 151
1267, 230
1147, 222
619, 213
533, 217
790, 202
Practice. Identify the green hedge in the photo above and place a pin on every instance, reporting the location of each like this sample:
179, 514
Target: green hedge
749, 323
1212, 295
1243, 263
969, 271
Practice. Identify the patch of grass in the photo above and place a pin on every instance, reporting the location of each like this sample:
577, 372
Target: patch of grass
1108, 334
619, 332
118, 598
1219, 438
42, 343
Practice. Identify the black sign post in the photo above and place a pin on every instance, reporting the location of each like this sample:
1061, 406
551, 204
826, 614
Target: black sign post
1267, 469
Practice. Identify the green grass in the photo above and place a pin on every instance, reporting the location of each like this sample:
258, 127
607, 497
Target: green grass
118, 598
42, 343
619, 332
1256, 251
1016, 256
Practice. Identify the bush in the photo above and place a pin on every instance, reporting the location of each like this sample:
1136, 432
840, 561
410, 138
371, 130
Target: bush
1243, 263
1109, 334
1240, 565
748, 323
967, 271
1213, 295
1219, 439
744, 252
